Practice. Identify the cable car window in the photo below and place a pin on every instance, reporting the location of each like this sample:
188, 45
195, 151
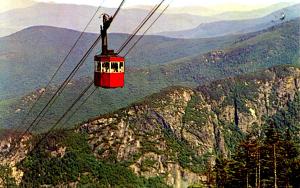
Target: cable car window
114, 67
98, 66
121, 67
105, 67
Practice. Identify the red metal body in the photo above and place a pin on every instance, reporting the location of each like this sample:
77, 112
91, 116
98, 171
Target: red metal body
109, 71
109, 67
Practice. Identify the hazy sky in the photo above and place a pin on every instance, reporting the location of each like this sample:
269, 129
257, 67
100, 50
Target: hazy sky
175, 2
221, 5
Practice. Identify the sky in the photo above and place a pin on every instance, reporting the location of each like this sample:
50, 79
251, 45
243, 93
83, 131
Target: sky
222, 5
178, 3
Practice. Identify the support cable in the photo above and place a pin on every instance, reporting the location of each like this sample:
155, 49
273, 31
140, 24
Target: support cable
59, 67
139, 27
85, 90
141, 36
64, 84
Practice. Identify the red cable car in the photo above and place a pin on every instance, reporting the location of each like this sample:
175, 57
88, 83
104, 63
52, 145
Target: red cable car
109, 67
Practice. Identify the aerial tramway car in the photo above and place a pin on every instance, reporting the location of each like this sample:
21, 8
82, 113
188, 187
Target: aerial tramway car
109, 67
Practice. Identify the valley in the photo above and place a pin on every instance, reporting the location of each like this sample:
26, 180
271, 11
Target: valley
248, 53
174, 136
211, 97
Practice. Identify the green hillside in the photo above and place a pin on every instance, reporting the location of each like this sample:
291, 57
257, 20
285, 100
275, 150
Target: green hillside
227, 131
29, 58
274, 46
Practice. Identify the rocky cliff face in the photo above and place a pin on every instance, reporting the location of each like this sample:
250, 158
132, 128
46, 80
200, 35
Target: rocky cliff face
13, 149
178, 132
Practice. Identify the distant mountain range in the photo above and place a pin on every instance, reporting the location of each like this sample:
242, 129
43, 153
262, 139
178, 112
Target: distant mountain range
250, 14
230, 11
34, 53
222, 28
278, 45
76, 17
202, 121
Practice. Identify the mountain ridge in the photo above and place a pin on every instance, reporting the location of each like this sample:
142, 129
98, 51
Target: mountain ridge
51, 14
227, 27
176, 133
274, 46
76, 17
53, 43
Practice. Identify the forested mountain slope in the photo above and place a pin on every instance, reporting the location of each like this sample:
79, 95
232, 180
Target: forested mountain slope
180, 136
30, 57
275, 46
229, 27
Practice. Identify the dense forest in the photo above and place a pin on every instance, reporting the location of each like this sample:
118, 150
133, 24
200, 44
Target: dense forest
267, 156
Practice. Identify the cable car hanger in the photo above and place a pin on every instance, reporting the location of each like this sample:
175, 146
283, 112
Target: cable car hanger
109, 70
